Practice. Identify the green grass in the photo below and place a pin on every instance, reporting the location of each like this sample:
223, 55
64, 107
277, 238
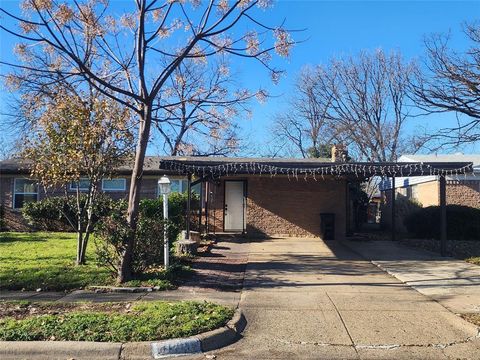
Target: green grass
141, 321
46, 260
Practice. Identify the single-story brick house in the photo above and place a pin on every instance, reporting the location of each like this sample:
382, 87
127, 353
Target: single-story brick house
259, 197
16, 187
463, 190
425, 190
293, 197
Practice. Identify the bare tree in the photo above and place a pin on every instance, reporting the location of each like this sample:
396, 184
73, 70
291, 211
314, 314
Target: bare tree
131, 57
361, 102
452, 84
196, 113
303, 129
367, 99
6, 148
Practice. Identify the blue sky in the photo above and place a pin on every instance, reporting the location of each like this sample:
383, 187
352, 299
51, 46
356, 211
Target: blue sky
341, 28
338, 28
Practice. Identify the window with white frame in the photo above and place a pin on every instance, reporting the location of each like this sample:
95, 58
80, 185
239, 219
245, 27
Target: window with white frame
116, 184
24, 191
83, 185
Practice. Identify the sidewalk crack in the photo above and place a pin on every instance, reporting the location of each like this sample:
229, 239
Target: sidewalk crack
343, 322
120, 351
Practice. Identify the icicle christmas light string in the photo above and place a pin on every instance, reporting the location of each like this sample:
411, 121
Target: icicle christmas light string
336, 170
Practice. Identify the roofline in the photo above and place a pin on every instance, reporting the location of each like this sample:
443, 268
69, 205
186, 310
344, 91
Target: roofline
218, 167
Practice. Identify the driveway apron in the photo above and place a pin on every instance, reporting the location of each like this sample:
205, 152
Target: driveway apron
308, 299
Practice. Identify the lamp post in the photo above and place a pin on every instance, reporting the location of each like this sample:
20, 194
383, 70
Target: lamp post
164, 186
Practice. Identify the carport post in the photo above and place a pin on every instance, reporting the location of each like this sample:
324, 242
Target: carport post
443, 216
394, 237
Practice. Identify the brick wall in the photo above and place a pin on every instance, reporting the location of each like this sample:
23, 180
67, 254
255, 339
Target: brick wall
13, 217
277, 206
463, 192
459, 192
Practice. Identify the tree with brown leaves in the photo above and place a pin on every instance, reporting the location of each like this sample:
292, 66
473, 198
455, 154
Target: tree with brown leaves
130, 58
76, 140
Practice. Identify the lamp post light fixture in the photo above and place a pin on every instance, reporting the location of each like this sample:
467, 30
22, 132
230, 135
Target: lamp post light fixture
164, 187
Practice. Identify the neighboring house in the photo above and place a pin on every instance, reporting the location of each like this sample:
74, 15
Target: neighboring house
259, 197
460, 190
17, 188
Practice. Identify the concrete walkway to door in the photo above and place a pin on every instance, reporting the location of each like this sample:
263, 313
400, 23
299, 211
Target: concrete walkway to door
308, 299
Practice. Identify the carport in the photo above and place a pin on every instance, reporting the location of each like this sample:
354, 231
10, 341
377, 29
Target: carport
277, 178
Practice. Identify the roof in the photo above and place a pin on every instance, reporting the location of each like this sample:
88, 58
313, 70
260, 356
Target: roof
22, 166
473, 158
221, 166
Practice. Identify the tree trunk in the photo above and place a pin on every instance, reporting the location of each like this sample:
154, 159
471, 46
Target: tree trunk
125, 268
80, 239
84, 248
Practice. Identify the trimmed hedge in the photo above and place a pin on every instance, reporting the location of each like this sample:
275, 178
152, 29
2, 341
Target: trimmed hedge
463, 223
49, 214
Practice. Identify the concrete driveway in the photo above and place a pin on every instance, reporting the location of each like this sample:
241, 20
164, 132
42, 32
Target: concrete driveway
309, 299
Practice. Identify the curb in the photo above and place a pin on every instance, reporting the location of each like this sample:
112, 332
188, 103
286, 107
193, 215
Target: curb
204, 342
118, 289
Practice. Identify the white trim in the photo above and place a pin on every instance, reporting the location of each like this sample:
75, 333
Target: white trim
22, 193
124, 187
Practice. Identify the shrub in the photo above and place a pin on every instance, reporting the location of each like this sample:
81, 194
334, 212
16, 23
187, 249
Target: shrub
112, 233
405, 206
52, 214
463, 223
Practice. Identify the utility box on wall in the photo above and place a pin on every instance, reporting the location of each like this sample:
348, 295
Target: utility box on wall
327, 226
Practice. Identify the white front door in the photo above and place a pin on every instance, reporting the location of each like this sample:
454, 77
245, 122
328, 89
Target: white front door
234, 206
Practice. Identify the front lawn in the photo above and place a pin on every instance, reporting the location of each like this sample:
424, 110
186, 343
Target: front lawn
114, 322
46, 260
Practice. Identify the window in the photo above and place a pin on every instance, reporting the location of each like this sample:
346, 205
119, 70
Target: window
25, 191
114, 184
82, 185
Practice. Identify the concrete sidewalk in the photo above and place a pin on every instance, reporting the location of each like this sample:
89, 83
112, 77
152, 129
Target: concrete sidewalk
228, 298
453, 283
